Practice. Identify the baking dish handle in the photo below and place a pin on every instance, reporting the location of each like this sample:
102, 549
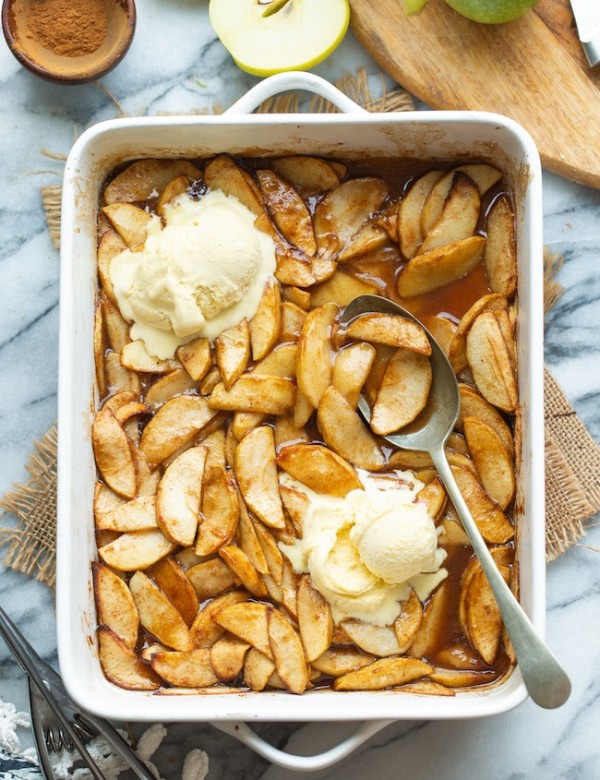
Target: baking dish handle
283, 82
362, 733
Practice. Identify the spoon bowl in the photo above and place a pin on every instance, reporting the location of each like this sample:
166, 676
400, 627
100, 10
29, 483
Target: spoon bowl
546, 681
62, 68
437, 420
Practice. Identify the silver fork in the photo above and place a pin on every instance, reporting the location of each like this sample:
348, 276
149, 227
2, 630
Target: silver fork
62, 718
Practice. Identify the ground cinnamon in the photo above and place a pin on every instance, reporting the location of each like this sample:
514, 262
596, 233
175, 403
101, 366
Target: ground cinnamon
69, 28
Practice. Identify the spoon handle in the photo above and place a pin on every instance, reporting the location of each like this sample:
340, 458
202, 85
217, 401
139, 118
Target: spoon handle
546, 681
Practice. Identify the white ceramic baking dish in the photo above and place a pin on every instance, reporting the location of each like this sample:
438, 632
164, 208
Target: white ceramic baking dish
351, 134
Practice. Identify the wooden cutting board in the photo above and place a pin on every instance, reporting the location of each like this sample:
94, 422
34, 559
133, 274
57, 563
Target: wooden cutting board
532, 69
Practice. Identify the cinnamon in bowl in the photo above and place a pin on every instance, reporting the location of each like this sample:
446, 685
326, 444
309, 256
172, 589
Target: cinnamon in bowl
69, 41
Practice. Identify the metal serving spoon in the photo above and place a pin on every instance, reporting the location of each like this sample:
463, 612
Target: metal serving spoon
546, 681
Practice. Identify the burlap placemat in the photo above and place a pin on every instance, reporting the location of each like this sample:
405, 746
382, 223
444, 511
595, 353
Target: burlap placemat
28, 512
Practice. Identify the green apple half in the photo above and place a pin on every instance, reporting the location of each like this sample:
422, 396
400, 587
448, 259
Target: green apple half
270, 37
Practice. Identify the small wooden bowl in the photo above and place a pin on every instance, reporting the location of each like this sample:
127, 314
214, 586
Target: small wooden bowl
66, 69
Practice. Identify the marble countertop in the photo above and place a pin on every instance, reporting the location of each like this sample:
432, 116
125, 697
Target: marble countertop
176, 65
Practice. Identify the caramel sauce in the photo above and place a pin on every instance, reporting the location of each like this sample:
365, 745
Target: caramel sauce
450, 648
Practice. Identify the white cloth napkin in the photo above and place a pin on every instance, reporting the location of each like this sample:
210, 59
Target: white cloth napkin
14, 763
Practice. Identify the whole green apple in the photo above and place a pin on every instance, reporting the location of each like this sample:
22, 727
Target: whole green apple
491, 11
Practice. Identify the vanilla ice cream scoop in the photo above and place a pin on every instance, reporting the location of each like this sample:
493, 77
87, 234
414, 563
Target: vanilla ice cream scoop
203, 272
365, 551
397, 545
